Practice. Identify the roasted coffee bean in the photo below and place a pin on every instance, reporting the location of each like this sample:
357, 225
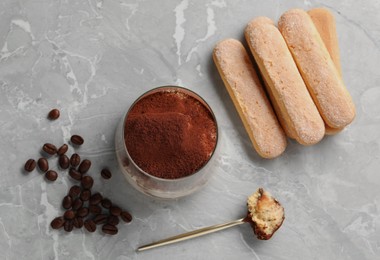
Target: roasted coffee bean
113, 220
96, 198
43, 164
77, 140
78, 222
95, 209
64, 161
87, 182
67, 202
51, 175
106, 174
109, 229
106, 203
68, 225
69, 214
75, 160
57, 223
83, 212
49, 148
84, 166
75, 174
115, 210
126, 217
63, 149
54, 114
85, 195
77, 203
90, 225
100, 219
74, 191
30, 165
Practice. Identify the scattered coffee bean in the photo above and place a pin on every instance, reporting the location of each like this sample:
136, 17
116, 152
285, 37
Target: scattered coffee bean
77, 140
126, 217
90, 225
68, 227
49, 148
78, 222
96, 199
77, 203
75, 174
84, 166
87, 182
95, 209
54, 114
74, 191
85, 195
83, 212
51, 175
30, 165
76, 199
115, 210
43, 164
75, 160
106, 174
69, 214
113, 220
67, 202
63, 149
100, 219
106, 203
57, 223
109, 229
64, 161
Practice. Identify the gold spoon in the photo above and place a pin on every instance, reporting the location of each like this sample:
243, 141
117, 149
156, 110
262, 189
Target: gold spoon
193, 234
264, 213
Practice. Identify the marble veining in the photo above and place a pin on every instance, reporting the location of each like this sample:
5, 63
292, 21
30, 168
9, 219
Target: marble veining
92, 59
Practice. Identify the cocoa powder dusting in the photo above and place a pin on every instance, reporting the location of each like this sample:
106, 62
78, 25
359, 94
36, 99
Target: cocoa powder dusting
170, 134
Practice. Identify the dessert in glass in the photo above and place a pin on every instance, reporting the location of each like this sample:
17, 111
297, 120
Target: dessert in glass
166, 142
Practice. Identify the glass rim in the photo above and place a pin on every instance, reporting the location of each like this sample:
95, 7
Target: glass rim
184, 90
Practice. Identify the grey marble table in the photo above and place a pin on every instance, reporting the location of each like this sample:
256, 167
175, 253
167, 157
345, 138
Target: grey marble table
92, 58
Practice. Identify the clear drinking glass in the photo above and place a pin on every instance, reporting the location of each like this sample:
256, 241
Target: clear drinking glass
152, 185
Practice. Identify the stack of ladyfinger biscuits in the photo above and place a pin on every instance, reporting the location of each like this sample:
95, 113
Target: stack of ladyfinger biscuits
304, 96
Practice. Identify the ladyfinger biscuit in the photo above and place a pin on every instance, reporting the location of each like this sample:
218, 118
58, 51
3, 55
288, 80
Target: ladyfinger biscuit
324, 21
249, 98
288, 93
317, 68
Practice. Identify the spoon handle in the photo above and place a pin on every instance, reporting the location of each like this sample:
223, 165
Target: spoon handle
192, 234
